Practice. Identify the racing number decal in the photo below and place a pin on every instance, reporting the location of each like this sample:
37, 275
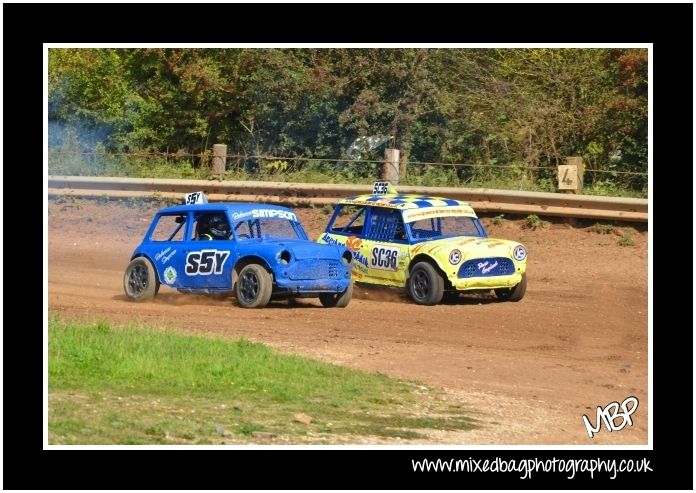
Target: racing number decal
192, 198
380, 188
195, 198
384, 257
206, 262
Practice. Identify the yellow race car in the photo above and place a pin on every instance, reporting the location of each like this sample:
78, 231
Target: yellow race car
430, 245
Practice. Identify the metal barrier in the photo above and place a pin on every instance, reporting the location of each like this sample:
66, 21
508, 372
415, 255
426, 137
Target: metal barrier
481, 199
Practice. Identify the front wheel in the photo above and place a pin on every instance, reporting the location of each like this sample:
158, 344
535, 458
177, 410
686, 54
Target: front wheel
254, 286
425, 284
515, 293
339, 300
140, 280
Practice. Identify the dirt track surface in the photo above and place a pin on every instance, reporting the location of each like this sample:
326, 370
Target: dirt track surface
578, 340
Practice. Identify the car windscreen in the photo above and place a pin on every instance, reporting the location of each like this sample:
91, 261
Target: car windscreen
445, 227
268, 228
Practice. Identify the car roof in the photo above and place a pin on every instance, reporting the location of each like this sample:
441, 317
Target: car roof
216, 206
401, 201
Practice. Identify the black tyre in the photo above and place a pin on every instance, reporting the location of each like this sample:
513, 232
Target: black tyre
338, 300
425, 284
254, 287
515, 293
140, 281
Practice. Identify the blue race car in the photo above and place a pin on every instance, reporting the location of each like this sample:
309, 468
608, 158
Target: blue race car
257, 251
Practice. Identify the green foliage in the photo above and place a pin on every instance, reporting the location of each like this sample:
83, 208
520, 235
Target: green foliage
602, 229
612, 189
249, 428
274, 168
69, 201
626, 240
498, 220
434, 176
534, 222
521, 111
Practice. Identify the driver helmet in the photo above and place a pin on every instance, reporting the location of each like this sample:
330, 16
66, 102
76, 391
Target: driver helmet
219, 228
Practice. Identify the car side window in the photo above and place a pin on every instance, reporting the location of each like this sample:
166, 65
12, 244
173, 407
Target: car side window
349, 219
210, 226
169, 227
197, 230
243, 229
248, 228
386, 225
437, 227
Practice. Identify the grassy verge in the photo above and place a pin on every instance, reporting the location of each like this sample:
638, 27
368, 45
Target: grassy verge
128, 385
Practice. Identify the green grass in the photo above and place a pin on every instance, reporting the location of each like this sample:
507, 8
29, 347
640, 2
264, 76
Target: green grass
626, 240
533, 222
602, 229
498, 220
609, 189
137, 385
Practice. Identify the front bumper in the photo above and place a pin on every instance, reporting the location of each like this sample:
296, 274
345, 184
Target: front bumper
313, 286
493, 282
488, 273
318, 276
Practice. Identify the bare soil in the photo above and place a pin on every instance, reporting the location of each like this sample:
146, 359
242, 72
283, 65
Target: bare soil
578, 340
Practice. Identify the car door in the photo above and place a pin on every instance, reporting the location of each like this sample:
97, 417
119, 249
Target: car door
385, 247
346, 228
206, 263
165, 245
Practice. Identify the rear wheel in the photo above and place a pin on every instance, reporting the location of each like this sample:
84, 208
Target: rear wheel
425, 284
339, 300
140, 280
515, 293
254, 286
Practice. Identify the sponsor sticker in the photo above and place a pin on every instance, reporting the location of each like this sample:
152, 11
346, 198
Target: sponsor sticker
354, 247
486, 267
170, 275
455, 256
519, 253
412, 215
353, 243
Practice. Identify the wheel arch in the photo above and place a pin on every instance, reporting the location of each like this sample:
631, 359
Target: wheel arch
250, 259
424, 257
154, 265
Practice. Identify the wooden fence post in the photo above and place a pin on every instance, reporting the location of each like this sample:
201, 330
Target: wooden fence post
219, 159
390, 170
